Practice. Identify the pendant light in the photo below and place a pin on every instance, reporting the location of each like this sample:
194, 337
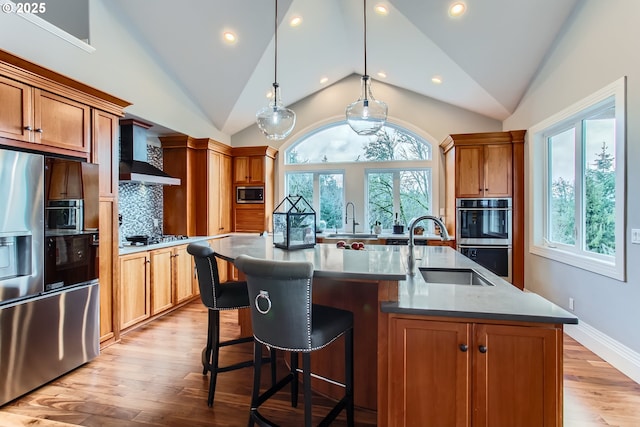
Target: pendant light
366, 115
275, 120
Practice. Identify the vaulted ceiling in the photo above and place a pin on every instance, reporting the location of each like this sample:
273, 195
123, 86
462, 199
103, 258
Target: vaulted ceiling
485, 58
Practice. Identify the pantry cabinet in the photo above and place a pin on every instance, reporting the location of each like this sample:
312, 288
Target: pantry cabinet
474, 373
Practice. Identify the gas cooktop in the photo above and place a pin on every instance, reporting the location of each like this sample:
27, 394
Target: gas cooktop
142, 240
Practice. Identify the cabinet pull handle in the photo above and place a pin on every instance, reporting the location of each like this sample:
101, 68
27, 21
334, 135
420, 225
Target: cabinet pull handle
148, 261
482, 349
464, 347
28, 128
39, 130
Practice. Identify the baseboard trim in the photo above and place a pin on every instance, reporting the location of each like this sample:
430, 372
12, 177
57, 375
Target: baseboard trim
618, 355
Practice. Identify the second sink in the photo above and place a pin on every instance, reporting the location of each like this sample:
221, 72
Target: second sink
454, 276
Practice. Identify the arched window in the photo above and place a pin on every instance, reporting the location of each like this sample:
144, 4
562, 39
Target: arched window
388, 176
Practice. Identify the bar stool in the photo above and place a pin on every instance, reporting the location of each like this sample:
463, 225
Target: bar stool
218, 296
284, 316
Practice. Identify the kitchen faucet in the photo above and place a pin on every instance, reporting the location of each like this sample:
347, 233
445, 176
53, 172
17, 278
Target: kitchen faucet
443, 232
353, 216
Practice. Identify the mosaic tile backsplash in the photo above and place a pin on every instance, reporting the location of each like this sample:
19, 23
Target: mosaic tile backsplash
140, 203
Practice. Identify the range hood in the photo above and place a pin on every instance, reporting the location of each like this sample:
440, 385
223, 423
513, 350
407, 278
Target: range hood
134, 166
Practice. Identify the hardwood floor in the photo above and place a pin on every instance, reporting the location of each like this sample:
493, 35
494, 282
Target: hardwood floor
153, 377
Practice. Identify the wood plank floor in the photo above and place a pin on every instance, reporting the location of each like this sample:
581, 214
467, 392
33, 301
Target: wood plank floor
153, 377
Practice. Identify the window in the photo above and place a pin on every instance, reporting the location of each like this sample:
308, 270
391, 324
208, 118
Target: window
384, 174
577, 183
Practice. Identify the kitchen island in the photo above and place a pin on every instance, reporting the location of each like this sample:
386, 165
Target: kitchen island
431, 350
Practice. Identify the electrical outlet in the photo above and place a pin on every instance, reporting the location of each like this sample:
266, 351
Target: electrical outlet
155, 222
571, 304
635, 236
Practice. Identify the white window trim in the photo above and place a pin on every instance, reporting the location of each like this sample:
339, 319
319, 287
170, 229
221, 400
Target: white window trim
537, 187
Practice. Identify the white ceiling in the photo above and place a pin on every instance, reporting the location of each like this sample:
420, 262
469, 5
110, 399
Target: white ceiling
486, 58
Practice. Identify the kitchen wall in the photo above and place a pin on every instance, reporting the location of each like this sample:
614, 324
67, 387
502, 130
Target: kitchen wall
140, 203
598, 46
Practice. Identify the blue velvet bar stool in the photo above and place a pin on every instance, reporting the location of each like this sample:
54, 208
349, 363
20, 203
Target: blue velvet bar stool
284, 317
218, 296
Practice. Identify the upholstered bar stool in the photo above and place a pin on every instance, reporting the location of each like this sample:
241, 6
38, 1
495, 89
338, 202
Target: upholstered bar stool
283, 316
218, 296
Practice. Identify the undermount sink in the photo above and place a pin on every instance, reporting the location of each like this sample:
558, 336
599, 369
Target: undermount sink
453, 276
352, 236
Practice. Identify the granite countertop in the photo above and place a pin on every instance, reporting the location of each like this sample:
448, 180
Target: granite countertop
387, 235
132, 249
502, 301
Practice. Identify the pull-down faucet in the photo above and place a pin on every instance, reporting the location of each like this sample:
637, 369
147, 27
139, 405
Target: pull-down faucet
353, 216
443, 232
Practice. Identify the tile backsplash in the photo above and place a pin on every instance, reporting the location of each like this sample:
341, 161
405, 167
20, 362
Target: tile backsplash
140, 203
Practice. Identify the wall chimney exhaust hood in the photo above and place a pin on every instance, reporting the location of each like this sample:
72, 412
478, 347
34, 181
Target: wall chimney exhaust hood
134, 166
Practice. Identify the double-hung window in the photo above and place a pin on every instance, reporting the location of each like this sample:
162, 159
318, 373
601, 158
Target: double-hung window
577, 184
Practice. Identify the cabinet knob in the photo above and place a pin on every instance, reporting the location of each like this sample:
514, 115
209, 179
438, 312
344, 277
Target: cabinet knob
39, 130
29, 128
148, 261
482, 349
486, 189
464, 347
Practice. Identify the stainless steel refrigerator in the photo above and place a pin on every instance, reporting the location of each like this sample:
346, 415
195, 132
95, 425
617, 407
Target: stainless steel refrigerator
43, 334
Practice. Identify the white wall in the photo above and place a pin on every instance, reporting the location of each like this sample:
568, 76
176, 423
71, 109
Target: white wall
119, 66
426, 116
599, 45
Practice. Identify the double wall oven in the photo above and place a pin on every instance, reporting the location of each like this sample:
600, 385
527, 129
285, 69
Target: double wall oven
484, 233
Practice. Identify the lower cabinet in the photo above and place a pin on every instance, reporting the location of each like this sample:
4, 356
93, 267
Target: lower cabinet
152, 282
464, 373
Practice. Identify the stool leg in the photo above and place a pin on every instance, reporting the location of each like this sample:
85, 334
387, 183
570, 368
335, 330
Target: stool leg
273, 366
348, 373
306, 383
294, 380
215, 350
257, 367
206, 352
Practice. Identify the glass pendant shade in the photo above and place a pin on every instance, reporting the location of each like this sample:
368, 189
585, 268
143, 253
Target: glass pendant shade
275, 120
366, 115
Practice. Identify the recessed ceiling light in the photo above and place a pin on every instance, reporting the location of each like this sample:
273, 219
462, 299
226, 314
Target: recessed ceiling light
323, 80
457, 9
229, 37
436, 80
381, 9
382, 74
295, 21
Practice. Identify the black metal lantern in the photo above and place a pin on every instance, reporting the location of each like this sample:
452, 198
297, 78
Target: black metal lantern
294, 224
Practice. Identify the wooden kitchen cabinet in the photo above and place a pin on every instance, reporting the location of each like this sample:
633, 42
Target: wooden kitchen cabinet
248, 170
16, 110
463, 373
135, 284
254, 166
484, 171
61, 122
183, 274
161, 280
65, 179
201, 204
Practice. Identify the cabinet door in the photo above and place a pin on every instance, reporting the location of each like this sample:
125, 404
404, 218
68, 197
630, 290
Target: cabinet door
61, 122
105, 151
429, 373
517, 376
161, 292
15, 110
65, 180
250, 220
183, 274
107, 258
497, 170
226, 191
134, 289
469, 171
214, 195
248, 169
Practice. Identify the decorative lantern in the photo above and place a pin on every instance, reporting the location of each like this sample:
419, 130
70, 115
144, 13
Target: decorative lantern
294, 224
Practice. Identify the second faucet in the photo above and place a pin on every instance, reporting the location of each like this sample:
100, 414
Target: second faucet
353, 216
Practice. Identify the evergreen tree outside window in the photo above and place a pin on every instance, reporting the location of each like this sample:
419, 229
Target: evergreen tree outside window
578, 214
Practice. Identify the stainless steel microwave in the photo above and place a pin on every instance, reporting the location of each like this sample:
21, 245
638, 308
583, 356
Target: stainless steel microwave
249, 194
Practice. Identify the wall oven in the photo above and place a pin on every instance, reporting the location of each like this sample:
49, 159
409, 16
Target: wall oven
484, 233
70, 259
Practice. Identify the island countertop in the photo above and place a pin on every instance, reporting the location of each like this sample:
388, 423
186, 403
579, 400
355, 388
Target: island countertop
502, 301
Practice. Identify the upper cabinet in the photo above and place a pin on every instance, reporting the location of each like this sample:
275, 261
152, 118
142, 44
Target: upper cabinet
61, 122
15, 110
484, 170
248, 169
